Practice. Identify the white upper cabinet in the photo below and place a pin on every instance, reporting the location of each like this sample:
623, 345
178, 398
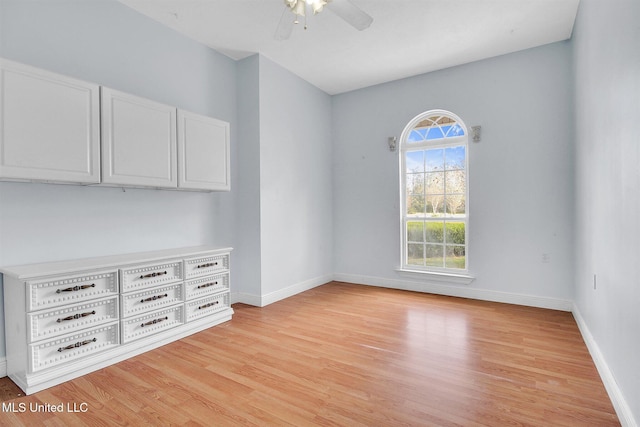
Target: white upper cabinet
55, 128
49, 126
138, 141
203, 152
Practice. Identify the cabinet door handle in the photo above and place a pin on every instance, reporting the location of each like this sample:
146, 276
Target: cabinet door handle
77, 316
154, 321
155, 274
76, 345
209, 264
206, 285
76, 288
211, 304
153, 298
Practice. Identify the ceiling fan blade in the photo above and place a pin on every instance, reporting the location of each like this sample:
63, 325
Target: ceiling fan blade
351, 13
285, 27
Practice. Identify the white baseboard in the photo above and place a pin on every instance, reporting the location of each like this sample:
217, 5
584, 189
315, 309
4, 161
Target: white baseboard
281, 294
3, 367
433, 288
270, 298
244, 298
458, 291
615, 394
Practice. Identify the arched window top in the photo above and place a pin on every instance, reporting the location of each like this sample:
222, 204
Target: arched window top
435, 126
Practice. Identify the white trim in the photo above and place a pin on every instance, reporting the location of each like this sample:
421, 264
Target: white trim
433, 276
433, 287
245, 298
3, 367
615, 394
292, 290
280, 294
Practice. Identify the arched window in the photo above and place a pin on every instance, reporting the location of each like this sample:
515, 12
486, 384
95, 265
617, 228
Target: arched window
434, 192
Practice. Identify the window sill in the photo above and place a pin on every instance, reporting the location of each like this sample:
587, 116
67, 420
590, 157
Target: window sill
442, 277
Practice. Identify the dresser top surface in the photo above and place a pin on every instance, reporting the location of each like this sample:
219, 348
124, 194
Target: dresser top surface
28, 271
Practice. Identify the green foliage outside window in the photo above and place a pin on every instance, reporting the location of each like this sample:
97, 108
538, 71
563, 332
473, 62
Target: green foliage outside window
436, 243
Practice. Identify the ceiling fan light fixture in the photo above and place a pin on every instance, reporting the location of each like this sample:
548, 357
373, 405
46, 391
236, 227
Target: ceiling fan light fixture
298, 7
316, 5
345, 9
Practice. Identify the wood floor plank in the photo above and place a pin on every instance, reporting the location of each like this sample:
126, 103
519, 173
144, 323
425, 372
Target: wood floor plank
350, 355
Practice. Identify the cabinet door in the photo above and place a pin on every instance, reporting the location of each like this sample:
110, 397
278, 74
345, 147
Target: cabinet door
50, 126
203, 152
138, 141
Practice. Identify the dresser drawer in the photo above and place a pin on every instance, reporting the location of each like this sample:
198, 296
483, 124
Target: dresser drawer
206, 265
148, 275
71, 347
64, 320
204, 286
206, 306
152, 323
62, 290
151, 299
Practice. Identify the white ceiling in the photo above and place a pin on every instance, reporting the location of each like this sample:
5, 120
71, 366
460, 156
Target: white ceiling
406, 38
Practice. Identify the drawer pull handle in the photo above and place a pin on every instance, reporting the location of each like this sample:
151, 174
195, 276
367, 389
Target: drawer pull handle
211, 304
154, 321
153, 298
76, 288
206, 285
156, 274
209, 264
76, 345
77, 316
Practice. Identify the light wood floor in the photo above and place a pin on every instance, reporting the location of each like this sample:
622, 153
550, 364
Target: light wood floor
350, 355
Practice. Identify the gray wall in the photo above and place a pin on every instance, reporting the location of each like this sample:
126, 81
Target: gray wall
606, 49
295, 181
247, 268
107, 43
284, 209
521, 173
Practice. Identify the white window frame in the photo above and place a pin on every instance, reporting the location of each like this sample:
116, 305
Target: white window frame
458, 275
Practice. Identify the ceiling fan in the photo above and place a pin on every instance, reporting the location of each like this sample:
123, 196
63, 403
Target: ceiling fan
345, 9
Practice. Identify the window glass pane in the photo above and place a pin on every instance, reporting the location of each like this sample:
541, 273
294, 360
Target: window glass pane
453, 131
415, 183
455, 157
415, 161
455, 233
433, 255
435, 183
456, 205
435, 205
434, 232
415, 205
415, 231
435, 133
417, 135
415, 254
456, 181
455, 257
456, 187
434, 159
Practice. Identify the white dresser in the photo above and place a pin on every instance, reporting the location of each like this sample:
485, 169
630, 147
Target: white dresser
66, 319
